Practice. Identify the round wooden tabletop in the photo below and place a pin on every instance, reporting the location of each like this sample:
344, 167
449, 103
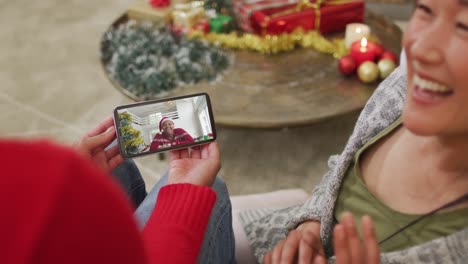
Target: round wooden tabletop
289, 89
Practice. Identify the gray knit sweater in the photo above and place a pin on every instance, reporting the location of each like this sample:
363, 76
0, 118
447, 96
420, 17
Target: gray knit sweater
265, 228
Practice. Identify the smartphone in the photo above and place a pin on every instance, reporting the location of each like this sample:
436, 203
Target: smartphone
163, 125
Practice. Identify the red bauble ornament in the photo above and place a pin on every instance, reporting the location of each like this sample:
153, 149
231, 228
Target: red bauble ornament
347, 65
389, 56
160, 3
378, 49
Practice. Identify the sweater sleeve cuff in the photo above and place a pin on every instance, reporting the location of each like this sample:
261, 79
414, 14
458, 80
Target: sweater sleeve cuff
184, 204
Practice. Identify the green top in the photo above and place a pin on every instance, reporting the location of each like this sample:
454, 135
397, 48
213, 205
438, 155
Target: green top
354, 197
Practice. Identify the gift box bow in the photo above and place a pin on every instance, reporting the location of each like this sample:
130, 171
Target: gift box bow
186, 15
305, 5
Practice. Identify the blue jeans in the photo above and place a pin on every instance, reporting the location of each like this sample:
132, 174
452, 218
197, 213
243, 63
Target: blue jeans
129, 177
218, 243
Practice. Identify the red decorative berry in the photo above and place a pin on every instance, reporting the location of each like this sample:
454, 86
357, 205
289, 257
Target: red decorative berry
347, 65
389, 56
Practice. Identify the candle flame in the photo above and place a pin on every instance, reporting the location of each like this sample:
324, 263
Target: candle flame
363, 42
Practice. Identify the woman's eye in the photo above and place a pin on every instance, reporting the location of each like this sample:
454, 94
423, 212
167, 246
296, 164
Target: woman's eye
424, 8
462, 26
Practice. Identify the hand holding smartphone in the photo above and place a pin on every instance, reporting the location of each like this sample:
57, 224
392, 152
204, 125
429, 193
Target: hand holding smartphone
163, 125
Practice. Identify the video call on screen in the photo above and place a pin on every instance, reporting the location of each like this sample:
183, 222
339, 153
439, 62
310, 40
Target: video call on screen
184, 121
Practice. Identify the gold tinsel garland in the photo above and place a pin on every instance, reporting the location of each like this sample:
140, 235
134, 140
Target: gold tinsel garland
272, 44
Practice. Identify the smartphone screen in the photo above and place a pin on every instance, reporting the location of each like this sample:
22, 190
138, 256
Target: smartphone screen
162, 125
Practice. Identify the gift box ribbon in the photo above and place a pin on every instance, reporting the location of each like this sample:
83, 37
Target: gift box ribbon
303, 5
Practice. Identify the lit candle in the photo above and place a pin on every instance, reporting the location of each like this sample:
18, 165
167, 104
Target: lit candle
355, 32
361, 52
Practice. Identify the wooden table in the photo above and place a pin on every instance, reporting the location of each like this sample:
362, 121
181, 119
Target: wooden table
290, 89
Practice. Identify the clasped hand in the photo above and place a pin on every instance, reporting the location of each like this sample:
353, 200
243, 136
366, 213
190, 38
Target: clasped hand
303, 245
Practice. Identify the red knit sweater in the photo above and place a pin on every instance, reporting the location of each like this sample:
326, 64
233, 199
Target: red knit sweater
59, 208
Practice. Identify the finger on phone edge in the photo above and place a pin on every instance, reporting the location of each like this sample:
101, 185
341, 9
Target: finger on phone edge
102, 126
100, 140
184, 153
196, 152
174, 154
205, 150
212, 151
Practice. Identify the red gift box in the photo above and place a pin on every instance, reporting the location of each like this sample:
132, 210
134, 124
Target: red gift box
243, 9
325, 16
203, 26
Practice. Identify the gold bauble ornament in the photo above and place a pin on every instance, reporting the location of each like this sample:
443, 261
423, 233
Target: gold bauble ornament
368, 72
386, 67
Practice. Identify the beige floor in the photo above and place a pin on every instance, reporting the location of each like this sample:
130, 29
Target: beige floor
52, 86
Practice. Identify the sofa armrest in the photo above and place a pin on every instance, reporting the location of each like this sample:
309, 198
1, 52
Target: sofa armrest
273, 200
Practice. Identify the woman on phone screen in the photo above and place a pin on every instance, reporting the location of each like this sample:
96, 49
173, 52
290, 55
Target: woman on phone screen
169, 135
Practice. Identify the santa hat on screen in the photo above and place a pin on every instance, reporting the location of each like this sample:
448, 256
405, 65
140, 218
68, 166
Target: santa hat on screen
162, 122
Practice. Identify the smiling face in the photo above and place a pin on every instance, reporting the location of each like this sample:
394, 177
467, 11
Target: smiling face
168, 127
436, 45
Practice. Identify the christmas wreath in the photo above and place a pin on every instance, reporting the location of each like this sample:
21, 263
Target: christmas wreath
149, 59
